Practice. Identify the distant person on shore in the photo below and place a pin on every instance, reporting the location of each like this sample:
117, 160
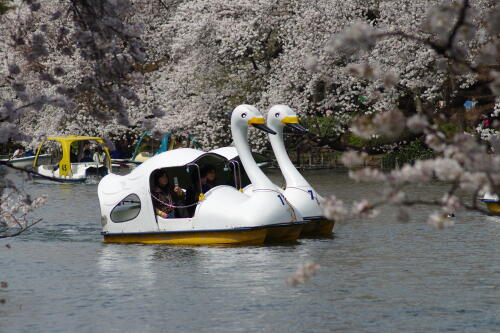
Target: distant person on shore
208, 175
117, 152
18, 153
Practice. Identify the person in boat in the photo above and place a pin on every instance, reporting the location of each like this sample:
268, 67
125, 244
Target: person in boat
18, 153
118, 153
85, 147
99, 156
208, 175
165, 195
86, 157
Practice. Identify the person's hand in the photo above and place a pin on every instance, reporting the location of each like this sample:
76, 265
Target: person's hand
178, 190
164, 215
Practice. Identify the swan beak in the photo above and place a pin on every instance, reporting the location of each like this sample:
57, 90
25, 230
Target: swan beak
260, 123
293, 122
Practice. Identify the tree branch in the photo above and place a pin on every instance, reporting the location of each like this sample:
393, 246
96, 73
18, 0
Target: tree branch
9, 165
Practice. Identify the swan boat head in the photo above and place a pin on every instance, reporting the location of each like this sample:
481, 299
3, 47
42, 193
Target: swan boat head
280, 116
298, 191
266, 205
246, 115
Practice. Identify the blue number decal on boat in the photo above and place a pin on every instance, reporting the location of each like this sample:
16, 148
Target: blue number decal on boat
281, 199
312, 194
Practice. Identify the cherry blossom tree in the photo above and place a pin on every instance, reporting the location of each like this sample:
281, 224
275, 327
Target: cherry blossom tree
65, 62
463, 49
376, 68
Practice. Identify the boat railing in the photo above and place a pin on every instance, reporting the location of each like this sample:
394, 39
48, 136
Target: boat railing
199, 173
237, 176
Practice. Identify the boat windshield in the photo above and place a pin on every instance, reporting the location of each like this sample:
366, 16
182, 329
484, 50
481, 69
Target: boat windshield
148, 145
50, 154
85, 151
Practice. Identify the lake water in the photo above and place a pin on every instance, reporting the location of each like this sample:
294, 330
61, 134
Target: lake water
376, 275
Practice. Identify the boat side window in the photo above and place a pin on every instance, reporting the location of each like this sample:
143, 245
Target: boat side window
127, 209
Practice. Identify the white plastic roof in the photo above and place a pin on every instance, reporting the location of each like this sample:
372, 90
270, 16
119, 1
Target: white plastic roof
172, 158
115, 187
227, 152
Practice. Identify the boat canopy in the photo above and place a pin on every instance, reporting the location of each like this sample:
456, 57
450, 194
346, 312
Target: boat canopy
71, 138
173, 158
64, 163
183, 163
231, 153
228, 152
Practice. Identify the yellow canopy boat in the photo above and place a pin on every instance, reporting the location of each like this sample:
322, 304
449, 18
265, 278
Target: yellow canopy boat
72, 158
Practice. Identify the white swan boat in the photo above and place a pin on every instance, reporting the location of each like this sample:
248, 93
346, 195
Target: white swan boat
223, 215
298, 192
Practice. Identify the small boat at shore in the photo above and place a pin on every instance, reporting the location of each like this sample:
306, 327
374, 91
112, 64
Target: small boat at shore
72, 159
492, 202
223, 215
25, 162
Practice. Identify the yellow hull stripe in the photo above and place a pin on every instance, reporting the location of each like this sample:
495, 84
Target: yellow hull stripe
243, 237
283, 234
321, 227
493, 207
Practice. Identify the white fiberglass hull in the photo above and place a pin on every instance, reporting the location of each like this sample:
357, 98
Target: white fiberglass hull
80, 172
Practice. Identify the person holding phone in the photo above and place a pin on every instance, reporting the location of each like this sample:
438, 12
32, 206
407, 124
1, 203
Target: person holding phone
165, 195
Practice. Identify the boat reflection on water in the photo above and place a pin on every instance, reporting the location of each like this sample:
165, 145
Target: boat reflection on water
119, 265
159, 268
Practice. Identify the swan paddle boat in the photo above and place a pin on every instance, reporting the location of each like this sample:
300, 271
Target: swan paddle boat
71, 159
223, 215
298, 192
492, 203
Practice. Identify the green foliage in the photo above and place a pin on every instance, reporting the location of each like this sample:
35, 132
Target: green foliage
449, 129
322, 126
355, 141
415, 150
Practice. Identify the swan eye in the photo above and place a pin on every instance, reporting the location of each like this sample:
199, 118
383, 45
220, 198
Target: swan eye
243, 115
277, 115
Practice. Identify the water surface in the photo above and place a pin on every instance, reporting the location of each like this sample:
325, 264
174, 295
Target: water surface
376, 275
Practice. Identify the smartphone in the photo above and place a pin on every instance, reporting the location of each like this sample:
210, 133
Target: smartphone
176, 181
